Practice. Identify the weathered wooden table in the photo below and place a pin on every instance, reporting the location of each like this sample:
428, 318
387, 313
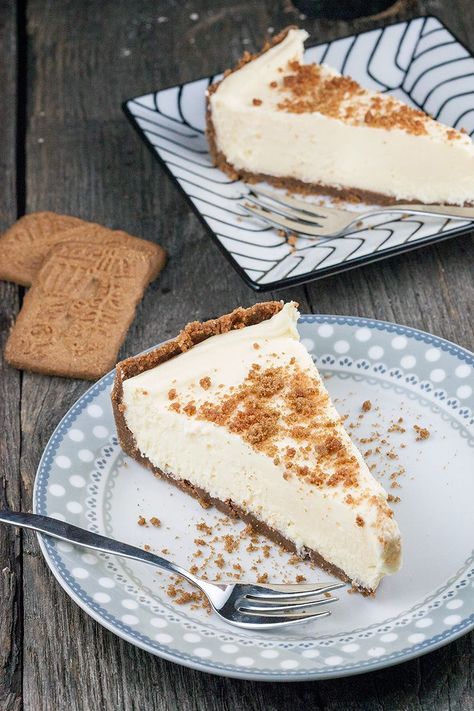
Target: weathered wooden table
65, 68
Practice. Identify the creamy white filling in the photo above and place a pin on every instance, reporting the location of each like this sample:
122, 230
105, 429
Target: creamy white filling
316, 148
227, 467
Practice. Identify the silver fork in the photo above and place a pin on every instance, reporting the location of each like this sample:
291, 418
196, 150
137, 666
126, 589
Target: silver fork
311, 221
246, 605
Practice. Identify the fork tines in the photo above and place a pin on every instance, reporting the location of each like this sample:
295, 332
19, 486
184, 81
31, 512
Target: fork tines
280, 219
292, 601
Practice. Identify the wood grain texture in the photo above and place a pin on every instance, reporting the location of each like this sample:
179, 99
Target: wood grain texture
10, 387
83, 59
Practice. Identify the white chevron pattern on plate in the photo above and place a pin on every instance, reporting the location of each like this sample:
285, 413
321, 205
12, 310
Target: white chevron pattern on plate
419, 62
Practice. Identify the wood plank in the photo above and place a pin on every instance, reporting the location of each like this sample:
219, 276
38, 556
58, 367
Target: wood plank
10, 387
84, 59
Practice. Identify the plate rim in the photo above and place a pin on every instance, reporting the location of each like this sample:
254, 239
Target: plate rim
193, 663
309, 277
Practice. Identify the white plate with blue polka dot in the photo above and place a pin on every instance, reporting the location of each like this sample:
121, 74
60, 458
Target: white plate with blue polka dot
85, 478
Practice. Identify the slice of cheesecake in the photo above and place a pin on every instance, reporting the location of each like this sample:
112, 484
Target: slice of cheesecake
234, 412
305, 127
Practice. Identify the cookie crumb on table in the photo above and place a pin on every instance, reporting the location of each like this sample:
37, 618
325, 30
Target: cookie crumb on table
397, 426
231, 543
421, 433
202, 526
219, 561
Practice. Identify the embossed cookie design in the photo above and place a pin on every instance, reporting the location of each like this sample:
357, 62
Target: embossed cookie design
24, 247
77, 313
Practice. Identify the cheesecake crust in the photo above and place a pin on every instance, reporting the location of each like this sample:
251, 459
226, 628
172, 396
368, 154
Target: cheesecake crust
191, 335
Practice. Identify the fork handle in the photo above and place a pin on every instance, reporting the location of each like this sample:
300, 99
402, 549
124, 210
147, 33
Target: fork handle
82, 537
464, 213
455, 213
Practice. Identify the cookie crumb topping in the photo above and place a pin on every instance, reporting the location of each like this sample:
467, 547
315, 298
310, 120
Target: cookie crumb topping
421, 433
277, 403
309, 88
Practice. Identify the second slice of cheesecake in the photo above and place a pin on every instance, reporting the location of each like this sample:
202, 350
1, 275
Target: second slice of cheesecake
305, 127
